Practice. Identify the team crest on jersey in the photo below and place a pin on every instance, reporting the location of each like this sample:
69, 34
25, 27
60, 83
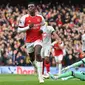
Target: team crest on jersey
29, 21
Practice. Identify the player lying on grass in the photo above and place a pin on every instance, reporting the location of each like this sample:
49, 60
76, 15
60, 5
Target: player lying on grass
69, 75
75, 64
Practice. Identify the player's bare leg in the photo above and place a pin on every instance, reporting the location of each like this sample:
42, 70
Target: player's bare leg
39, 62
33, 61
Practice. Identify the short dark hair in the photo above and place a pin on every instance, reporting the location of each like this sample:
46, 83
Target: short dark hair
32, 3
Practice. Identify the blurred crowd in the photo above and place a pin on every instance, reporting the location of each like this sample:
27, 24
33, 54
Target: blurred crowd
67, 20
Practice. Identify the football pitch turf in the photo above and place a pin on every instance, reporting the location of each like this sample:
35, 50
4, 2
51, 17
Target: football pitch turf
12, 79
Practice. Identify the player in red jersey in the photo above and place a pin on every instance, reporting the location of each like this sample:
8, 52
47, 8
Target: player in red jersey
58, 48
32, 23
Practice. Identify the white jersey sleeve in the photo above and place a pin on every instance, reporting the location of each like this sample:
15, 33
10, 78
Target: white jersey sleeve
43, 26
43, 20
50, 29
22, 26
22, 21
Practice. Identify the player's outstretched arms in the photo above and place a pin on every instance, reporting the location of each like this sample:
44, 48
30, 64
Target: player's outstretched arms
74, 64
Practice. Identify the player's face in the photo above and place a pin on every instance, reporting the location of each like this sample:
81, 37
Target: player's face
31, 7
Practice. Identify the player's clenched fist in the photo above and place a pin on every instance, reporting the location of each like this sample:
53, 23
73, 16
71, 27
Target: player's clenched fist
31, 25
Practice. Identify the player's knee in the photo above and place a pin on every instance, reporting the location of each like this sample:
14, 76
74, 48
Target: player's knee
38, 55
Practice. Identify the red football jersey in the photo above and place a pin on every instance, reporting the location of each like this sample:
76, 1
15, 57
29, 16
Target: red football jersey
32, 34
57, 50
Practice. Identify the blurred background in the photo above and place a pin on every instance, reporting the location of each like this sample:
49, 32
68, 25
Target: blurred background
66, 16
24, 2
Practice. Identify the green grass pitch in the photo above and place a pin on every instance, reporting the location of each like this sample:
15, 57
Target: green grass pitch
10, 79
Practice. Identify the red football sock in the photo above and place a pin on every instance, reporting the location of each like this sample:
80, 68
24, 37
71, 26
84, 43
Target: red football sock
47, 65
